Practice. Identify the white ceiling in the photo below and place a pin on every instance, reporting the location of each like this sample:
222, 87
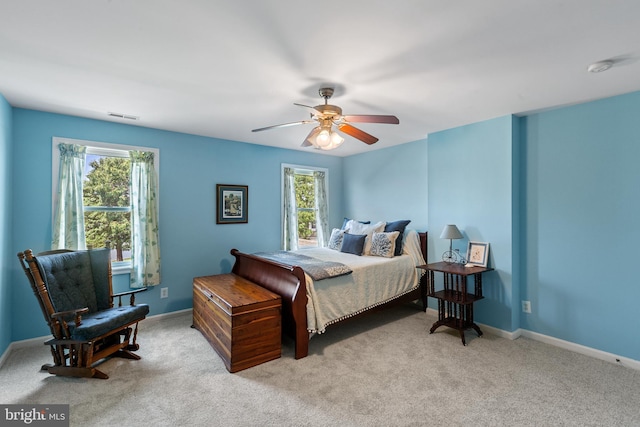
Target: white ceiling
221, 68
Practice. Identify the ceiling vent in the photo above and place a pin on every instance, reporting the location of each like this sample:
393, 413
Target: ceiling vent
123, 116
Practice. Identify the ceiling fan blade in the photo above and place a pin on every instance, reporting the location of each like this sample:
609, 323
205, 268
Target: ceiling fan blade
357, 133
284, 125
367, 118
314, 132
313, 109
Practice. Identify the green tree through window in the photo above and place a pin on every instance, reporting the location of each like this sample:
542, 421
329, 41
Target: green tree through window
306, 203
106, 203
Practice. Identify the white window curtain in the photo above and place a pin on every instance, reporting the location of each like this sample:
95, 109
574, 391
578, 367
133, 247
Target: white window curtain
145, 245
322, 211
68, 230
290, 214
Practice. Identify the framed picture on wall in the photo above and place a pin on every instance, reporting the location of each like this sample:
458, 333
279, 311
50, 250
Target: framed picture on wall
232, 204
477, 254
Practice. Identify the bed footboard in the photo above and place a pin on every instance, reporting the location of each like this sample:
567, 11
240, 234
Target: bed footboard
286, 281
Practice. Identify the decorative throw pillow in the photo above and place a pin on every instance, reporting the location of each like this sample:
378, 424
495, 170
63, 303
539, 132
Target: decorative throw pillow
346, 222
353, 243
384, 244
335, 241
366, 229
398, 226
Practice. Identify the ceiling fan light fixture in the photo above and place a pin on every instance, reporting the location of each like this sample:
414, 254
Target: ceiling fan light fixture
311, 138
336, 141
323, 139
323, 136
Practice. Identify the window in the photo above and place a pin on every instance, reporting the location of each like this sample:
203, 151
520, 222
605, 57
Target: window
106, 203
106, 199
306, 205
305, 210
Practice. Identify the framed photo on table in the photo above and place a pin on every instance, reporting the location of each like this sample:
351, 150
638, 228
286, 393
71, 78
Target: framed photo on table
232, 204
477, 254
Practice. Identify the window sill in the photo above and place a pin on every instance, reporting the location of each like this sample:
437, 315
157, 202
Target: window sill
120, 269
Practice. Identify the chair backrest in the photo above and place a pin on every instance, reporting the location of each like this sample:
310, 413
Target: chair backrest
65, 280
102, 277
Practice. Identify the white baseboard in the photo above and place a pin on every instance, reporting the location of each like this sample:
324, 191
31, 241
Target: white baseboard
485, 328
40, 340
567, 345
501, 332
21, 344
588, 351
164, 316
4, 356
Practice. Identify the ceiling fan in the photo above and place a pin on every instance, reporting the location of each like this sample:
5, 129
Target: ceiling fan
323, 136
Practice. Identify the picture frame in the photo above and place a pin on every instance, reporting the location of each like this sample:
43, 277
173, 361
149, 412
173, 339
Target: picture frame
232, 204
477, 254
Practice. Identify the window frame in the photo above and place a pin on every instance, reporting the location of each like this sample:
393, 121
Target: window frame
102, 149
301, 168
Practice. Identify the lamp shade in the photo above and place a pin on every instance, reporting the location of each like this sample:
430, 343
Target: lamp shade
450, 231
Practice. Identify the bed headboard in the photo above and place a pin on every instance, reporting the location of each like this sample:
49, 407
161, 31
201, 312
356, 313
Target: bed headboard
423, 245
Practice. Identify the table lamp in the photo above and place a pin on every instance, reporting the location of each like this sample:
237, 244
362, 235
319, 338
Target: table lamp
450, 232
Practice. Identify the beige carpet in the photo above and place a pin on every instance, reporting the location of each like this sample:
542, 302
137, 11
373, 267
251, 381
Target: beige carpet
383, 369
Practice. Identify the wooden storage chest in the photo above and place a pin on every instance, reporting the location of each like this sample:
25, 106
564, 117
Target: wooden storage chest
241, 320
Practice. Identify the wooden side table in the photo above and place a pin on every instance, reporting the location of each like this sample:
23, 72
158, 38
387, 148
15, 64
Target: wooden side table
455, 301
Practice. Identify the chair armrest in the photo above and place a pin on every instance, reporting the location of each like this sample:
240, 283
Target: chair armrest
60, 315
132, 300
135, 291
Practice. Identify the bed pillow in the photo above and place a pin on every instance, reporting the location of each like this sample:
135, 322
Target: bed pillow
398, 226
366, 229
384, 244
353, 243
346, 221
335, 241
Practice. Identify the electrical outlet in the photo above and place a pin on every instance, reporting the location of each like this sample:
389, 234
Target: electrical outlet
526, 306
164, 292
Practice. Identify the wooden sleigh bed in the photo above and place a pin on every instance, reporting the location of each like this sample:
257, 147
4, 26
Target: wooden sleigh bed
290, 282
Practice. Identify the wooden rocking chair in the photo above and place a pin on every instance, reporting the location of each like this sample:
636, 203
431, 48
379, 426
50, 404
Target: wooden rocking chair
74, 290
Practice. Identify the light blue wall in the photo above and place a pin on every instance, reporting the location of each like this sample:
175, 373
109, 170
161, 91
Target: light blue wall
470, 185
6, 254
582, 185
555, 194
388, 185
192, 244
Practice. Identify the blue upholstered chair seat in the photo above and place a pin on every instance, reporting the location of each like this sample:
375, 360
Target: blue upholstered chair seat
105, 321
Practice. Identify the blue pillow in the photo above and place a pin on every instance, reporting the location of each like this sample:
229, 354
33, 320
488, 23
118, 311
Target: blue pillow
398, 226
353, 243
346, 220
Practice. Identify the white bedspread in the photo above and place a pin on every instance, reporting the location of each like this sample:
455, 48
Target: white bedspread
374, 281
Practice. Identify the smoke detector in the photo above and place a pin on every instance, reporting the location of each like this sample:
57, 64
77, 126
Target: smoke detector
600, 66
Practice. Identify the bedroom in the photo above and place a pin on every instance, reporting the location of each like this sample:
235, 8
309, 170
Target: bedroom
555, 194
551, 286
